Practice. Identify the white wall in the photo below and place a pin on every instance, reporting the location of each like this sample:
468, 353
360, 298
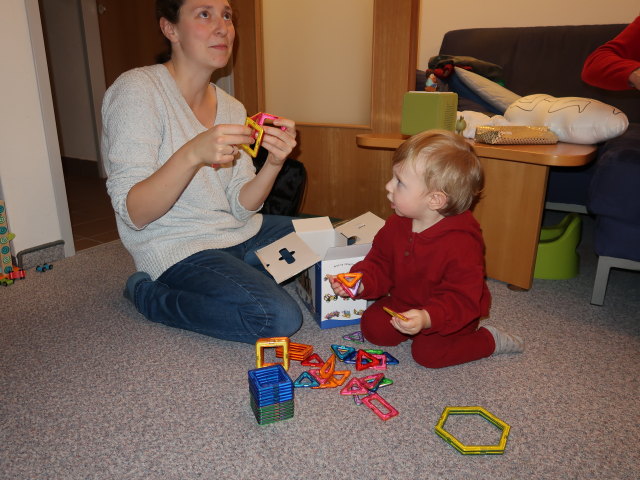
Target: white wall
437, 17
31, 177
340, 91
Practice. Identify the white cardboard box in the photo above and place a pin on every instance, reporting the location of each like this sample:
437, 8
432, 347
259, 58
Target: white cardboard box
320, 249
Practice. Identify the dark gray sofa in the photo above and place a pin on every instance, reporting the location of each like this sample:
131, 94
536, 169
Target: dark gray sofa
549, 60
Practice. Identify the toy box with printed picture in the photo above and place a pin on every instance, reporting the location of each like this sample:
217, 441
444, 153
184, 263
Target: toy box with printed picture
329, 309
320, 249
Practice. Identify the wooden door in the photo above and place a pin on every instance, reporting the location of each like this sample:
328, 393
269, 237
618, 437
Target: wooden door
129, 35
343, 179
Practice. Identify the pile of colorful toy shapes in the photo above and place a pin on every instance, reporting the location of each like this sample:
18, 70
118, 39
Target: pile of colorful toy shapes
323, 374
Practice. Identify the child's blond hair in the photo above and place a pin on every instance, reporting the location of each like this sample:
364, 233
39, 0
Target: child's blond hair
450, 165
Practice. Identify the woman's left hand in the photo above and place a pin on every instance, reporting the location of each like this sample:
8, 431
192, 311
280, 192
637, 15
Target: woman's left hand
278, 142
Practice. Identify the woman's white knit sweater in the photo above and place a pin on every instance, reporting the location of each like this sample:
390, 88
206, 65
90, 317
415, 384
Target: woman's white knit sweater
145, 120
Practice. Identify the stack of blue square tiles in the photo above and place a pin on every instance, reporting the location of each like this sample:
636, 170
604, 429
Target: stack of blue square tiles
271, 392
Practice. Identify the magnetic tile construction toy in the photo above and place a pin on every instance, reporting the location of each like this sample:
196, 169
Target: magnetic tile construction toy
372, 382
382, 359
306, 380
371, 388
354, 337
366, 360
271, 392
256, 122
349, 279
342, 351
473, 449
272, 397
340, 376
260, 118
297, 351
372, 400
272, 413
385, 382
328, 368
395, 314
350, 282
271, 401
312, 360
355, 387
351, 357
274, 342
337, 378
391, 360
257, 135
363, 386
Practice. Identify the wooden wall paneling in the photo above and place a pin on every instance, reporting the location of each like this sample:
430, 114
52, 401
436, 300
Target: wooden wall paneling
394, 61
414, 26
248, 72
343, 181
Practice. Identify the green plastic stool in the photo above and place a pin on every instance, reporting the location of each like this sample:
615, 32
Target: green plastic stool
557, 258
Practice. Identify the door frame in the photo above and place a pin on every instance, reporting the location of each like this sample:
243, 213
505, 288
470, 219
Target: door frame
95, 67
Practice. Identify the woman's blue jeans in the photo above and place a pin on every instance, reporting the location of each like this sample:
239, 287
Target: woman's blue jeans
224, 293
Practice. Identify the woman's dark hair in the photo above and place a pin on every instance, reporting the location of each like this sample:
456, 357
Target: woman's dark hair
169, 9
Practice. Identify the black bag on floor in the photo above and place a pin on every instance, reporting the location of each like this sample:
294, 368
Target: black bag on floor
288, 189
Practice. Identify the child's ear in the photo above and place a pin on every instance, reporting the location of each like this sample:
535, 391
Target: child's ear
437, 200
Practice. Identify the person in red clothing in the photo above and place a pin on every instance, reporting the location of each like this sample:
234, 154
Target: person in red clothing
427, 261
616, 64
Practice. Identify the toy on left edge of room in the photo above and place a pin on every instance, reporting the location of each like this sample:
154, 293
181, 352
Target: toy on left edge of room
8, 273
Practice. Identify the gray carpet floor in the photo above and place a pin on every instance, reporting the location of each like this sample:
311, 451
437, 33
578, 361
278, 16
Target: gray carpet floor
89, 389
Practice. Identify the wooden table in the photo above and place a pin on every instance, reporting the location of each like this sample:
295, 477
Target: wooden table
510, 209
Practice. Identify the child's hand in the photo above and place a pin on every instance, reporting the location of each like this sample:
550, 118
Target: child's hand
416, 321
338, 287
